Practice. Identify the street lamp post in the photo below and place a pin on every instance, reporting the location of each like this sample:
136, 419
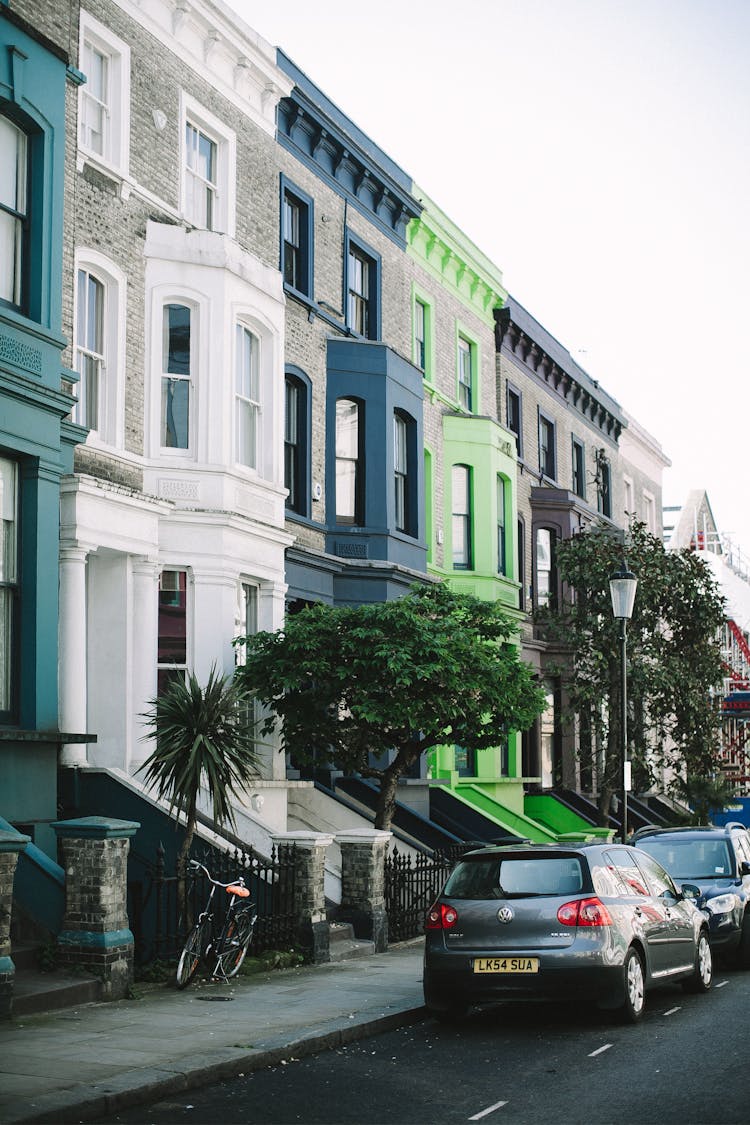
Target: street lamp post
622, 587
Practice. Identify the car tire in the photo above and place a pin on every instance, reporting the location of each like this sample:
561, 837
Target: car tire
634, 982
742, 956
703, 973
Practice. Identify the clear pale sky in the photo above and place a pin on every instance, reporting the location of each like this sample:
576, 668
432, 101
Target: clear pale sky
598, 151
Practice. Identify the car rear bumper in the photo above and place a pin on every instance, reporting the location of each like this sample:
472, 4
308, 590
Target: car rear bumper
450, 982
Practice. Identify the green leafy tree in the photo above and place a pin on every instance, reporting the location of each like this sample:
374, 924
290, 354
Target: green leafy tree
387, 681
203, 741
674, 657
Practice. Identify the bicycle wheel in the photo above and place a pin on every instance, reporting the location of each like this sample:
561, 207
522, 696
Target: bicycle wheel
190, 957
232, 946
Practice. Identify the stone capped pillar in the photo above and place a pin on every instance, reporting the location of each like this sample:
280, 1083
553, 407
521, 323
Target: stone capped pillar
309, 889
11, 843
363, 853
95, 931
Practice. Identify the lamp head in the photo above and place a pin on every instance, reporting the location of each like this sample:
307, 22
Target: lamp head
622, 587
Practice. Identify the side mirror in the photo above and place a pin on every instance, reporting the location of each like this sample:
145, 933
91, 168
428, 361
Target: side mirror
691, 891
745, 867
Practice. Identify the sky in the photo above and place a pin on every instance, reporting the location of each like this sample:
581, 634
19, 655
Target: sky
598, 152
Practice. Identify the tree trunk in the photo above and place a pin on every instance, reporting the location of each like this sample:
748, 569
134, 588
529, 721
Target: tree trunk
386, 806
182, 858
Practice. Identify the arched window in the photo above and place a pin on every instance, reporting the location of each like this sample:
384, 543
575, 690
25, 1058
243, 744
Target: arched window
349, 467
246, 398
176, 377
89, 348
461, 517
502, 548
99, 346
296, 443
545, 566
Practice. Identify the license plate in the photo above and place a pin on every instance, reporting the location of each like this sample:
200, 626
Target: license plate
506, 964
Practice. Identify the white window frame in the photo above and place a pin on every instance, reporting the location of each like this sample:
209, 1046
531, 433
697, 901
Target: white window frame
115, 155
247, 399
190, 378
649, 511
110, 428
191, 112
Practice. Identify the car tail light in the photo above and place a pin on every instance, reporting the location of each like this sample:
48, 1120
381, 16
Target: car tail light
584, 912
441, 917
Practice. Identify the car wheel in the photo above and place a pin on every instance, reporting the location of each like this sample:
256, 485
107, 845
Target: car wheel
635, 988
703, 973
742, 957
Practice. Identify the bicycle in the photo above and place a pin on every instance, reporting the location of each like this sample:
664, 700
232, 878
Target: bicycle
224, 953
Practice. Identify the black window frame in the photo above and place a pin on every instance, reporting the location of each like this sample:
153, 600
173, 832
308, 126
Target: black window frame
514, 395
305, 251
547, 449
578, 467
297, 453
355, 247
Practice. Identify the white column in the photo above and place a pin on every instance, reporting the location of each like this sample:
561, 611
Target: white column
72, 664
143, 657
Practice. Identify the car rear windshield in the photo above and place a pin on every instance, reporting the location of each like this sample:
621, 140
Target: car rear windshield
517, 877
690, 859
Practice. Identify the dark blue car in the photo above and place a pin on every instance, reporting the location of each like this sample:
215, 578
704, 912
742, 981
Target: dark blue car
716, 859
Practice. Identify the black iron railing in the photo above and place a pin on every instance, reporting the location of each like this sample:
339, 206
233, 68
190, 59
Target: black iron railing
157, 925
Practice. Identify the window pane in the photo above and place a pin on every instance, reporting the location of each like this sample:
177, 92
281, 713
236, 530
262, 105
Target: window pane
176, 340
461, 516
95, 100
347, 428
291, 444
12, 209
11, 233
501, 551
347, 453
175, 413
8, 521
247, 407
172, 633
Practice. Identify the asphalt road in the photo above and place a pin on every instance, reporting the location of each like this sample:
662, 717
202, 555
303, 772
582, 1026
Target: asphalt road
687, 1063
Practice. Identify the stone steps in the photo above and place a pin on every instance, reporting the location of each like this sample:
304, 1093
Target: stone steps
35, 991
344, 946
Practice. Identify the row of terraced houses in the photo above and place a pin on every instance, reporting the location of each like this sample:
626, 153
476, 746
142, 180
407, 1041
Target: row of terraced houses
246, 364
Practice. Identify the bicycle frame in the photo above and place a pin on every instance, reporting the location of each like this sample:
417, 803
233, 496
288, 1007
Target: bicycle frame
222, 954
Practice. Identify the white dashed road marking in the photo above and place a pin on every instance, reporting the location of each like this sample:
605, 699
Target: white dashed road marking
599, 1050
672, 1011
490, 1109
721, 984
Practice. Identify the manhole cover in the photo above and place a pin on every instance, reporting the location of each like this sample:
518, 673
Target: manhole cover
215, 998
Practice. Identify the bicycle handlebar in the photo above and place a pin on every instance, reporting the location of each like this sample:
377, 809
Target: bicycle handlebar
194, 866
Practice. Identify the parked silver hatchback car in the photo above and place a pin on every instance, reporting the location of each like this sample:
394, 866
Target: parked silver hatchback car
596, 920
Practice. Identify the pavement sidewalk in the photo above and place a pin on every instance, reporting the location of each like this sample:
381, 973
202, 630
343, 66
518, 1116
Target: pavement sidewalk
88, 1062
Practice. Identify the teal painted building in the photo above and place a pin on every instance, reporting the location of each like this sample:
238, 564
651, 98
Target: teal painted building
36, 437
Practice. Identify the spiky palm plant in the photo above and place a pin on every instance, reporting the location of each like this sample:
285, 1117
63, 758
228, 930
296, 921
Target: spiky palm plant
203, 741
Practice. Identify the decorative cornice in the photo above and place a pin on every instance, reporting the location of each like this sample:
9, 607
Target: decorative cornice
242, 64
306, 130
448, 261
515, 341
